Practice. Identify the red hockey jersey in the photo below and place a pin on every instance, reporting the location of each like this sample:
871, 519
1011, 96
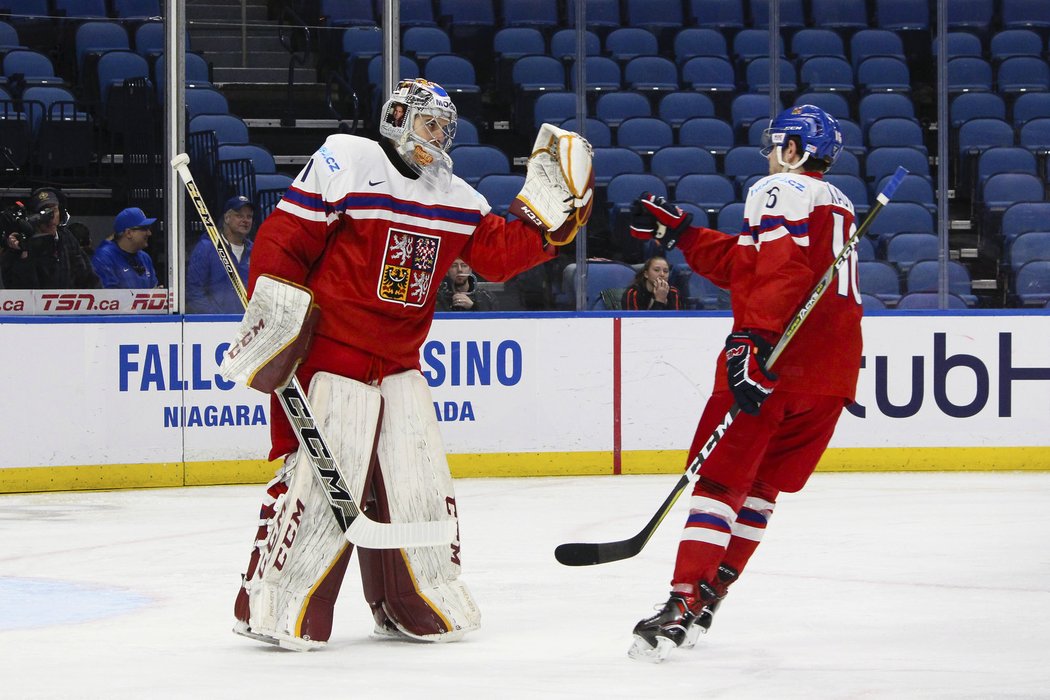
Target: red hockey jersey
795, 224
373, 243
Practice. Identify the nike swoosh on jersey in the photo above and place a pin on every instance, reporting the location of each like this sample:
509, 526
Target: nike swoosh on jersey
376, 182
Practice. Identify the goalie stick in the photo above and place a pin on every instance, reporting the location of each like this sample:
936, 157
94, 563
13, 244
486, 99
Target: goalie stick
357, 527
589, 553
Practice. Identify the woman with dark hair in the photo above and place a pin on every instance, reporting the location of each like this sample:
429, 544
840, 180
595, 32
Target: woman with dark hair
651, 290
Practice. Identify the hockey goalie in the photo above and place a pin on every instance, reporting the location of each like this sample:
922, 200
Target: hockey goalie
348, 267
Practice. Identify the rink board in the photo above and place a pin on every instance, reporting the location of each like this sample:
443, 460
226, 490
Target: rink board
131, 401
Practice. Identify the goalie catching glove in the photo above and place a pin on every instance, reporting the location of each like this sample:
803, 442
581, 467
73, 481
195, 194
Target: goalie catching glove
274, 335
652, 216
749, 379
559, 185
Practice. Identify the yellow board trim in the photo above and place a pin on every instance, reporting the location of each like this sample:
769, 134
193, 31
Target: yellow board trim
517, 464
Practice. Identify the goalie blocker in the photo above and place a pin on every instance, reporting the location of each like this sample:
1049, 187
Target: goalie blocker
559, 185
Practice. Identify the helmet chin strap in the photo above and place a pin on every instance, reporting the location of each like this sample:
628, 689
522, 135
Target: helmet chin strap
790, 166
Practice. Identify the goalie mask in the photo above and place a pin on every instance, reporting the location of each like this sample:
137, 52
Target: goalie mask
420, 119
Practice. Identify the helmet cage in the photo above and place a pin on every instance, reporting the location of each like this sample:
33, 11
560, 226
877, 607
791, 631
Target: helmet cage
421, 119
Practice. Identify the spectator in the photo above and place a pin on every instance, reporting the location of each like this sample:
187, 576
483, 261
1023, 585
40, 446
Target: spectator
651, 290
123, 263
49, 257
459, 290
208, 287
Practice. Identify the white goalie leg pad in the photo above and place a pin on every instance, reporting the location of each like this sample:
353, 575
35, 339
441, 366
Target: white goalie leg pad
288, 600
419, 487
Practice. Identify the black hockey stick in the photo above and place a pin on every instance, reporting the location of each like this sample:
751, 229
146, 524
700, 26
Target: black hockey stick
589, 553
358, 527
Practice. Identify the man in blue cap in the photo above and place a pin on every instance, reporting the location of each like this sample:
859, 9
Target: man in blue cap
208, 287
122, 263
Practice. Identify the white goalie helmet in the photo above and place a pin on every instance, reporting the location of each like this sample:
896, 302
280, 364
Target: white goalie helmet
420, 119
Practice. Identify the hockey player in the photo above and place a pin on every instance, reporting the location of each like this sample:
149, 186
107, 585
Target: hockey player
366, 232
795, 224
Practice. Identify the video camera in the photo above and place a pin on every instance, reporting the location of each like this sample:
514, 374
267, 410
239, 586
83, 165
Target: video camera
16, 220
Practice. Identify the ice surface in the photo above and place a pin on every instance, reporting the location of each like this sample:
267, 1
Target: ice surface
867, 586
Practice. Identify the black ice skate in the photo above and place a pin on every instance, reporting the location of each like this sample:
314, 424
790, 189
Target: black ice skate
656, 636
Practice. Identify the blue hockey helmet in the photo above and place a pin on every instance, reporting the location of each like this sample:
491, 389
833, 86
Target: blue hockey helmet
817, 131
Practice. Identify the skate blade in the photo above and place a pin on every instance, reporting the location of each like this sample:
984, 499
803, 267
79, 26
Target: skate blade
243, 630
692, 635
641, 650
289, 643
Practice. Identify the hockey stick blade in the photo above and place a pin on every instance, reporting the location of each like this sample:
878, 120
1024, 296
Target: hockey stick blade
357, 527
589, 554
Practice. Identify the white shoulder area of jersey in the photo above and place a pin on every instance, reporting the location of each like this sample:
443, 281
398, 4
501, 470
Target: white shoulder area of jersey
339, 150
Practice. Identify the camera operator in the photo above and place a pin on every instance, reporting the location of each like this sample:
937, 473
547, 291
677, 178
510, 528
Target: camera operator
459, 291
39, 252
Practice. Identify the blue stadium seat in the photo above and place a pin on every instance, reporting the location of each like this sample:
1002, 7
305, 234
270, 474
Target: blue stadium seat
1022, 14
924, 275
610, 162
114, 67
628, 42
149, 40
602, 15
974, 105
852, 137
896, 131
261, 158
717, 14
1022, 218
473, 162
195, 70
1005, 159
36, 68
884, 74
880, 280
970, 15
1003, 189
846, 164
865, 249
758, 75
749, 44
659, 16
80, 9
671, 163
913, 188
871, 303
907, 248
959, 44
596, 131
645, 135
747, 108
412, 13
1020, 74
709, 74
710, 133
873, 107
563, 44
270, 188
827, 74
511, 43
1034, 245
699, 41
1029, 106
977, 135
205, 101
902, 15
228, 129
466, 132
807, 43
874, 42
651, 74
422, 43
742, 162
537, 14
606, 274
969, 74
792, 15
1014, 42
41, 102
603, 74
456, 74
553, 108
1035, 134
847, 15
730, 218
97, 38
500, 190
614, 107
709, 191
677, 107
884, 161
9, 37
928, 300
897, 217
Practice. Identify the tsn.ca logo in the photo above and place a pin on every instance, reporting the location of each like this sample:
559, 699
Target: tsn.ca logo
80, 302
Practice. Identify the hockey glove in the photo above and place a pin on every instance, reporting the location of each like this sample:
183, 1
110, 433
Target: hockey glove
749, 380
652, 216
